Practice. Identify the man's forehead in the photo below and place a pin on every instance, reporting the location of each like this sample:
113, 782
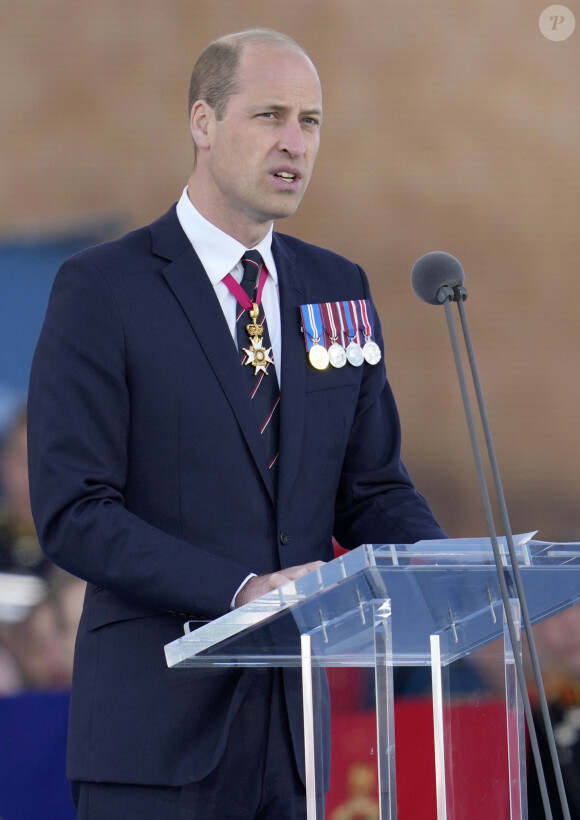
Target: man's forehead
285, 66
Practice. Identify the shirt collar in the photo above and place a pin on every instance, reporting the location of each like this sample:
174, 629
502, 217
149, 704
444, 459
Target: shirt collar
218, 252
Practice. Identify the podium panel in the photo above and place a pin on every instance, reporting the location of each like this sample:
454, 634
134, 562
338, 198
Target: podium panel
433, 605
476, 718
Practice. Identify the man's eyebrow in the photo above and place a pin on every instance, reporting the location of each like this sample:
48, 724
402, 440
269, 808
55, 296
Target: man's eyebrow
273, 106
313, 112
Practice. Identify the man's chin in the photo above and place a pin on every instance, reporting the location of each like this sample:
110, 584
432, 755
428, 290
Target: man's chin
286, 204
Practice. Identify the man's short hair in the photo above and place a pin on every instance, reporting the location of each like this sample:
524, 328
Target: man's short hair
215, 74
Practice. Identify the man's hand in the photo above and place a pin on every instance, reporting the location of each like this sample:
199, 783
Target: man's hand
261, 584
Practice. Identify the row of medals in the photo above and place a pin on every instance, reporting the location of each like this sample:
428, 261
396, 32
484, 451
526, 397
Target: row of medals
338, 356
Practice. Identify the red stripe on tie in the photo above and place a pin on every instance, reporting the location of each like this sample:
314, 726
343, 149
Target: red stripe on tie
267, 422
274, 460
258, 383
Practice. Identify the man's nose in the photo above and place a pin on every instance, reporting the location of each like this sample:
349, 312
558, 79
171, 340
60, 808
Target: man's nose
292, 139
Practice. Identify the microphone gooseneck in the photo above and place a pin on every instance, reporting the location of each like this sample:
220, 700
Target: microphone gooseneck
437, 278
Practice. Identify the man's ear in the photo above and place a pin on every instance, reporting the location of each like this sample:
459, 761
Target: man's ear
200, 124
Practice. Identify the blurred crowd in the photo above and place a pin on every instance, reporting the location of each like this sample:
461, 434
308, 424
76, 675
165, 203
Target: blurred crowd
40, 604
558, 644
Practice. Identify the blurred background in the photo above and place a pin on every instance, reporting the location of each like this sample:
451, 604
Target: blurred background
450, 125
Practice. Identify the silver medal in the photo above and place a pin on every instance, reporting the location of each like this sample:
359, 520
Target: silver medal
354, 354
371, 352
337, 355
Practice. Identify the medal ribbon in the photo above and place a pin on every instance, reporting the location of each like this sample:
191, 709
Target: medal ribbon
240, 294
312, 322
368, 331
339, 320
356, 320
328, 322
349, 317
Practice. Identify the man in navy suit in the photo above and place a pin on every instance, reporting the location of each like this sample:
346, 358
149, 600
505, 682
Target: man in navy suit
150, 473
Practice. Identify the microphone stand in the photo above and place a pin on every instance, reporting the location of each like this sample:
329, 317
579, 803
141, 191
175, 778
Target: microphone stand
445, 295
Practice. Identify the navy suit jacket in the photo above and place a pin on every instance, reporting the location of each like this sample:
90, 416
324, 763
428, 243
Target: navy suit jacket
148, 479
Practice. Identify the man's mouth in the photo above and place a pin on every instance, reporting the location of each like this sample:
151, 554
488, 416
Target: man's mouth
287, 176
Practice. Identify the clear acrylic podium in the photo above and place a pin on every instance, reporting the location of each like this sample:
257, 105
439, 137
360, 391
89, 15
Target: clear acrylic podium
429, 604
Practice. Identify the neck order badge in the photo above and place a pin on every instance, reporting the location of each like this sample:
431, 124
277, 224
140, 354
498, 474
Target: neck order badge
258, 356
249, 296
264, 392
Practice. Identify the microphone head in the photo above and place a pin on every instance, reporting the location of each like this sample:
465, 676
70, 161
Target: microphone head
433, 271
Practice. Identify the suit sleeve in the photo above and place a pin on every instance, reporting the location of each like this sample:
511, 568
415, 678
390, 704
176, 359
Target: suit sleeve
376, 500
79, 412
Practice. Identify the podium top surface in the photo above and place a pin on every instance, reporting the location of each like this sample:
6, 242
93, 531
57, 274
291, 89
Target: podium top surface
447, 588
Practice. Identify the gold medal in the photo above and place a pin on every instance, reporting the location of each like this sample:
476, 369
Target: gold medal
318, 356
254, 330
317, 353
257, 355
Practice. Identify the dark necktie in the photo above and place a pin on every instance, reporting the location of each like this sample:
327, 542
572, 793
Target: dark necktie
263, 387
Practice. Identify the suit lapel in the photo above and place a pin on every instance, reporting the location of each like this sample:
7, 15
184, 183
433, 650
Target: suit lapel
188, 280
292, 390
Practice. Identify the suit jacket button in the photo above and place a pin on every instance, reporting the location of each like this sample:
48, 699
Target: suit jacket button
284, 537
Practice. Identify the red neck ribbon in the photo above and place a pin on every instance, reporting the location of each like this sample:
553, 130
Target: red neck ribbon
237, 290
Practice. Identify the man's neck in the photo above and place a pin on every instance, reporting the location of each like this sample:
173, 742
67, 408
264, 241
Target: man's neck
246, 231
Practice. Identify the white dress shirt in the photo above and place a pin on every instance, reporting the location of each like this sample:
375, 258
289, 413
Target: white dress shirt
220, 254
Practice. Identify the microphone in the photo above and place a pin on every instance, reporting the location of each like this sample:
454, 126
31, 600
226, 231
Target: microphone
433, 274
437, 278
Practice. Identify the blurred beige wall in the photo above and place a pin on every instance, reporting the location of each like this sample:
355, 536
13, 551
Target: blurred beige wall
448, 126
